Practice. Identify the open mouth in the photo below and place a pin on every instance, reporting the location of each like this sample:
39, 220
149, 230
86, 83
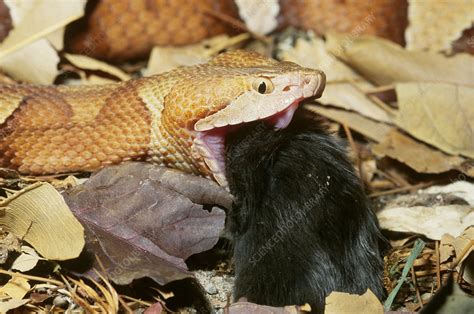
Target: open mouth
211, 143
276, 107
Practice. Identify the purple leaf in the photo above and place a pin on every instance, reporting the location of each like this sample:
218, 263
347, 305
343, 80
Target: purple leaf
145, 220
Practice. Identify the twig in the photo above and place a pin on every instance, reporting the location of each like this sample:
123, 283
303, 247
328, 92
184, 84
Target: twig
355, 150
417, 290
438, 262
31, 277
396, 176
234, 23
402, 189
136, 300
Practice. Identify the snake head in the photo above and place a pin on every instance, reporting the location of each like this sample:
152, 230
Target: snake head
237, 88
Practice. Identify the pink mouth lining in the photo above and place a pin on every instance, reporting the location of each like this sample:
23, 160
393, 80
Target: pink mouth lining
213, 141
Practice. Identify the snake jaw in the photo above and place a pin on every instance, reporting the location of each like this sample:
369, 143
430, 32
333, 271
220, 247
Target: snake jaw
276, 107
210, 144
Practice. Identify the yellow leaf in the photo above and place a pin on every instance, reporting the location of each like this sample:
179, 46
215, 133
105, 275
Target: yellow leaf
439, 114
7, 305
340, 302
384, 62
17, 288
39, 215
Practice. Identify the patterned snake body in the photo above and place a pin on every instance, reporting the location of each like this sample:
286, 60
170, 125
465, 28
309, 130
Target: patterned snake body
178, 119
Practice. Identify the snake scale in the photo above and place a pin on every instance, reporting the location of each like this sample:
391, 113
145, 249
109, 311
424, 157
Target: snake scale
119, 30
178, 119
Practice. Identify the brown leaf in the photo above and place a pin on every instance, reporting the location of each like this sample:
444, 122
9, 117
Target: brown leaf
16, 288
374, 130
384, 62
349, 97
145, 220
343, 87
418, 156
312, 53
164, 59
439, 114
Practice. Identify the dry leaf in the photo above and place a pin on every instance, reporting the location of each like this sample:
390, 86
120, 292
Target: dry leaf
312, 53
439, 114
343, 87
349, 97
434, 25
384, 62
56, 38
465, 240
431, 221
34, 63
163, 59
16, 288
462, 189
340, 302
39, 215
259, 16
373, 130
7, 305
446, 248
33, 20
88, 63
27, 259
252, 308
145, 220
418, 156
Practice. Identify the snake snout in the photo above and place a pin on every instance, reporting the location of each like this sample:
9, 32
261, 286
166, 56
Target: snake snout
313, 84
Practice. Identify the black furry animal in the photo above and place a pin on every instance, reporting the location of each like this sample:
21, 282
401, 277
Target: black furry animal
301, 223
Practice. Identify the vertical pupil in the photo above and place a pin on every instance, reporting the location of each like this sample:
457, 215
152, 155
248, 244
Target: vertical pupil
262, 88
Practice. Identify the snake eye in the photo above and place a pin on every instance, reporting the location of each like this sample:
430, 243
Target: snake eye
263, 86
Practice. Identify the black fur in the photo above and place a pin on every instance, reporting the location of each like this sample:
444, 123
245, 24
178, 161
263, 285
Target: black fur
301, 222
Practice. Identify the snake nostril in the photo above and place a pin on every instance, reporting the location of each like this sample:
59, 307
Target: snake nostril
287, 88
307, 80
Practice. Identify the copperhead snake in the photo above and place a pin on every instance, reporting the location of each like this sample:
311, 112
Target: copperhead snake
178, 119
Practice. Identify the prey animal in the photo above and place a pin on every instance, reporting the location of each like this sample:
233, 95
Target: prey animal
178, 119
301, 223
